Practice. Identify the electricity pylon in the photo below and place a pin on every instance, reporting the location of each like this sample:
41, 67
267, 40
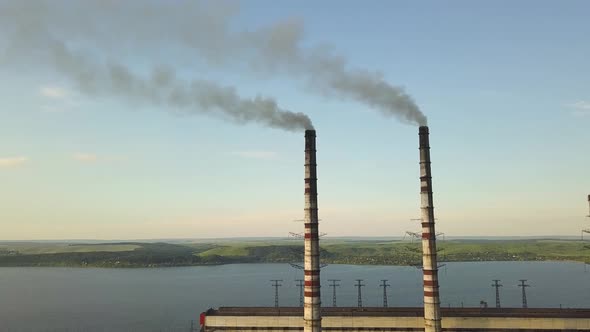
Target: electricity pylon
300, 284
497, 285
384, 284
360, 294
276, 285
334, 284
524, 286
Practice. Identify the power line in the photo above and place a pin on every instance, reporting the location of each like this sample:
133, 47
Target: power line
524, 286
334, 284
276, 285
384, 284
497, 285
360, 296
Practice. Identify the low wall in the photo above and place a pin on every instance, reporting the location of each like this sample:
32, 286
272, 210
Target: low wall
398, 319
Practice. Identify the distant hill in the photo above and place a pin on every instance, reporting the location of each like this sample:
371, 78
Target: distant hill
352, 250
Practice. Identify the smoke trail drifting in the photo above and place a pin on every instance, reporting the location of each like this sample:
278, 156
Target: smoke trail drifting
208, 30
161, 88
164, 88
279, 46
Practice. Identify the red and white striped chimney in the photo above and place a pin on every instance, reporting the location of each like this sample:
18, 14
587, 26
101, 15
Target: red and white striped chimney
311, 312
432, 319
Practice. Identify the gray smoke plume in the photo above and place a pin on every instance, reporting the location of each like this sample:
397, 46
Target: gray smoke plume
208, 30
164, 88
32, 42
279, 47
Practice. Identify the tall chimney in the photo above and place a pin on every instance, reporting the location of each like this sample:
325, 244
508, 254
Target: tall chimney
311, 311
432, 319
588, 206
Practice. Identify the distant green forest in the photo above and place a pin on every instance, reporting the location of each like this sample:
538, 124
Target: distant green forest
366, 252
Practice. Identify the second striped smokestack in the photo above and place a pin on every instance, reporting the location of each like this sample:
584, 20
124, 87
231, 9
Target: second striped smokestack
432, 319
311, 312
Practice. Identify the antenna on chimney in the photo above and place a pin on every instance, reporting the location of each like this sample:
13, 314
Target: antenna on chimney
300, 251
412, 235
294, 235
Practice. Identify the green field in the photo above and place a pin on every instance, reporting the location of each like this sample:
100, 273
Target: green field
333, 251
29, 248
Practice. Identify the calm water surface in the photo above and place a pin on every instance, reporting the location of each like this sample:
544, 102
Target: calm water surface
86, 299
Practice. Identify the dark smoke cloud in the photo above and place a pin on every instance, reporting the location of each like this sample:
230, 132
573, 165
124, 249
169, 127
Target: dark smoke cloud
164, 88
279, 47
34, 33
207, 28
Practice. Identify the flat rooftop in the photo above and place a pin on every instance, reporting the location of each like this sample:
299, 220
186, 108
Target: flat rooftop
404, 312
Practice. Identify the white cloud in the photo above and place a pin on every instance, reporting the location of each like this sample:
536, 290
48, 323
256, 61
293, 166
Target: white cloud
581, 108
581, 105
52, 109
85, 157
256, 154
91, 158
53, 92
57, 99
11, 162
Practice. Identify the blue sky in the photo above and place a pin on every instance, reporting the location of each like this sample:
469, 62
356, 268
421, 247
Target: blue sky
504, 86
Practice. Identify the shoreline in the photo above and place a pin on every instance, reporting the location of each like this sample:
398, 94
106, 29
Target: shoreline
396, 253
166, 266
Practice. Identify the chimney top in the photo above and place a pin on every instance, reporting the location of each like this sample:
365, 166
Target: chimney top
424, 141
310, 132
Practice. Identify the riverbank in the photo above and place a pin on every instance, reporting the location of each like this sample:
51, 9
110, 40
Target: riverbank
353, 252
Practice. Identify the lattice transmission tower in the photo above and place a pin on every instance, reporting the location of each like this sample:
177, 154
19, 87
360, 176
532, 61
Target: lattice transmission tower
276, 284
334, 283
497, 285
384, 284
300, 284
524, 286
359, 286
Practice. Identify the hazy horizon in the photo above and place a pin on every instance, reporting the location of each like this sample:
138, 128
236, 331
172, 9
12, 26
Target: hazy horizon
287, 238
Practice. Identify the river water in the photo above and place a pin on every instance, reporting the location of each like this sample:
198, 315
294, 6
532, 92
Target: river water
167, 299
